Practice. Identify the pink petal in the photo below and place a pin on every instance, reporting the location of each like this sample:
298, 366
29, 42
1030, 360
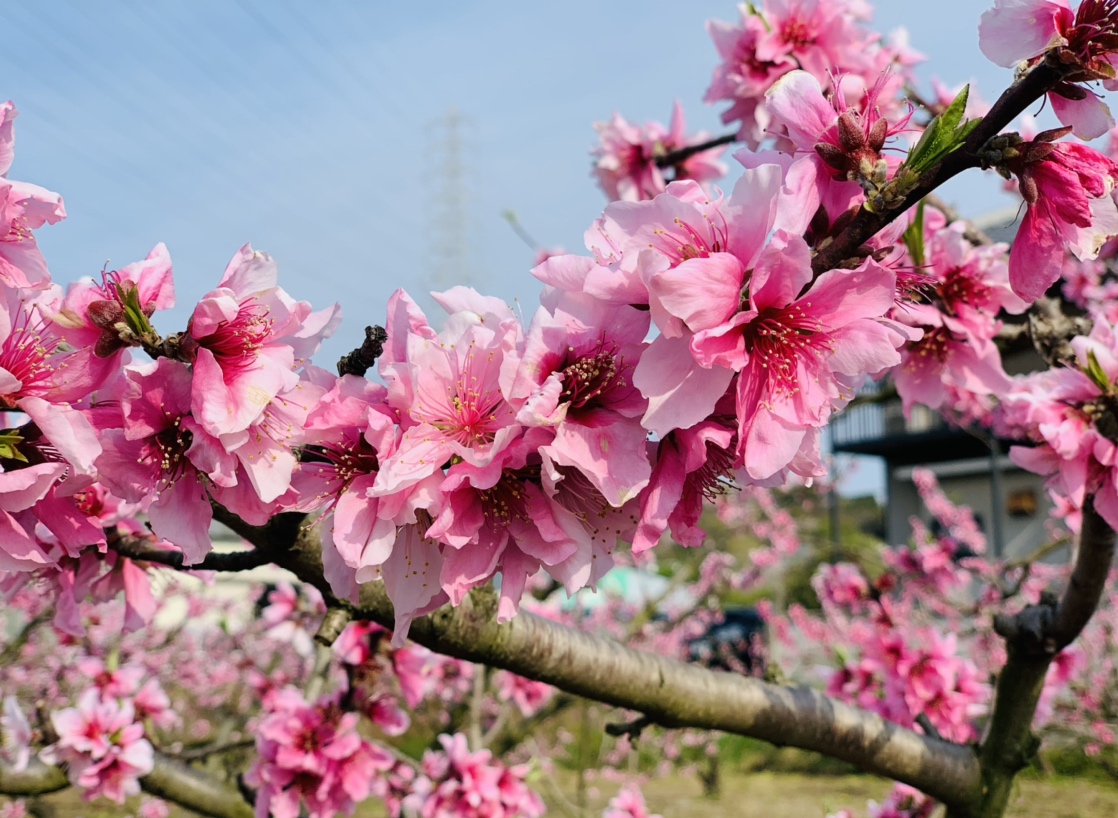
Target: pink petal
680, 393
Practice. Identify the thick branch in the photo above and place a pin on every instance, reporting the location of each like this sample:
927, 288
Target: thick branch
1012, 102
1034, 637
674, 694
669, 692
36, 779
169, 779
1046, 629
190, 788
1088, 578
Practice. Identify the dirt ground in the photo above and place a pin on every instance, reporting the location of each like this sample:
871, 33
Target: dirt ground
757, 795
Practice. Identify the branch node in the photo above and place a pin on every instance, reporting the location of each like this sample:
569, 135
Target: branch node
361, 359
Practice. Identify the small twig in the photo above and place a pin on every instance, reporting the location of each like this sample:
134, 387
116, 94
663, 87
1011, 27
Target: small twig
497, 726
477, 697
522, 234
400, 756
361, 359
681, 155
972, 234
926, 723
1038, 554
12, 649
199, 753
632, 729
319, 672
561, 800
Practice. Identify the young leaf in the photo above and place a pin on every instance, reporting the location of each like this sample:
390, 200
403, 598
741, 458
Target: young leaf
1096, 374
943, 135
914, 236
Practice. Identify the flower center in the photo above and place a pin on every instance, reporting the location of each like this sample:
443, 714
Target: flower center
25, 353
236, 343
779, 339
593, 376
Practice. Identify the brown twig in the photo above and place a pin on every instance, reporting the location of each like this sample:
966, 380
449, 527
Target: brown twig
361, 359
141, 550
971, 233
680, 155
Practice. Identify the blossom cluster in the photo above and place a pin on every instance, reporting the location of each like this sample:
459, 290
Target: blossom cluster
456, 782
700, 345
312, 754
825, 38
102, 744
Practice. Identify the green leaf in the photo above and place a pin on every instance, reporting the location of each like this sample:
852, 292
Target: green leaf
914, 236
1096, 374
134, 311
944, 135
9, 442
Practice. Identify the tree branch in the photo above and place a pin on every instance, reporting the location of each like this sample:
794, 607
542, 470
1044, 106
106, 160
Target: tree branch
138, 549
1048, 628
1031, 87
1033, 638
169, 779
668, 692
683, 154
36, 779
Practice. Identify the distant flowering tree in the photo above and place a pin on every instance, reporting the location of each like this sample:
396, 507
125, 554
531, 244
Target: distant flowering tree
698, 348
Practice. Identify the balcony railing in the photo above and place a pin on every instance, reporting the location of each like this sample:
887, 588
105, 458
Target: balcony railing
877, 420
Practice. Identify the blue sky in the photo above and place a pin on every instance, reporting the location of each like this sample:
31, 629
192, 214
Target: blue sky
310, 129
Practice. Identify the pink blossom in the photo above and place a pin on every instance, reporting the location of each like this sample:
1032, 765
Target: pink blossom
153, 808
847, 141
528, 695
113, 683
576, 375
103, 747
1060, 410
447, 388
160, 448
1067, 188
841, 584
626, 164
691, 466
25, 208
456, 782
823, 37
952, 352
1016, 30
93, 317
628, 803
1023, 30
246, 339
312, 755
34, 360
